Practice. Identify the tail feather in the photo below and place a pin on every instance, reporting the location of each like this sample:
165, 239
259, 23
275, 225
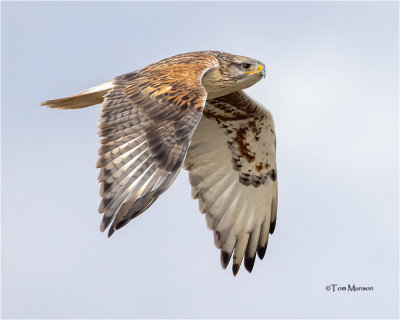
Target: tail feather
82, 99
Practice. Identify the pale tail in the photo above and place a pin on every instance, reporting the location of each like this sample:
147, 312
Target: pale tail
82, 99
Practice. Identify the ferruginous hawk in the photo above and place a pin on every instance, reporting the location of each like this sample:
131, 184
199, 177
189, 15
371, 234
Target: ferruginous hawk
189, 110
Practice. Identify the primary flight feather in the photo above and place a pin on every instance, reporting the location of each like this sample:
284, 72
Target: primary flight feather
189, 111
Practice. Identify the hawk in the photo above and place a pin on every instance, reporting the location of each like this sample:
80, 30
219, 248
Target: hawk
189, 111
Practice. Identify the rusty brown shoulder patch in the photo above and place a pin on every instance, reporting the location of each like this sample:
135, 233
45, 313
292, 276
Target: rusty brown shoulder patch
175, 80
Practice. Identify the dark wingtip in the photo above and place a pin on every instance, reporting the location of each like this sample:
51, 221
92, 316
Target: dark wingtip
225, 257
261, 252
235, 269
120, 224
114, 227
110, 232
105, 223
272, 227
249, 263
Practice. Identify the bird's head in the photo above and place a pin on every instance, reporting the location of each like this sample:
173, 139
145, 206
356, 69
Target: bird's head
236, 72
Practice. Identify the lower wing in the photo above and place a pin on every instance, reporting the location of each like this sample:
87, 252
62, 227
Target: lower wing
232, 170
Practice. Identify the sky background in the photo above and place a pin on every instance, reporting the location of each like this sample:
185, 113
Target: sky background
332, 86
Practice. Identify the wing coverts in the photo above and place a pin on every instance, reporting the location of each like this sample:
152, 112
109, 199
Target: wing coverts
146, 124
233, 174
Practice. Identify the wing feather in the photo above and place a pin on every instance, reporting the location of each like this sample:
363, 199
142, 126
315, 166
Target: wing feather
147, 121
232, 170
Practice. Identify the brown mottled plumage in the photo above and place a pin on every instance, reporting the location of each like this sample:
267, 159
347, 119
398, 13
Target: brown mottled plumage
152, 124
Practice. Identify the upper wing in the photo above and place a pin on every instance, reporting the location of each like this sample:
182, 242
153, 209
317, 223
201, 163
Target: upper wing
233, 174
146, 122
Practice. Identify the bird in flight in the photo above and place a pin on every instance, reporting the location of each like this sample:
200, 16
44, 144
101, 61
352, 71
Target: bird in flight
189, 111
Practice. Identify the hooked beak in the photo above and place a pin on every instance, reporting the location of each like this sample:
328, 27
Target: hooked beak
260, 70
263, 72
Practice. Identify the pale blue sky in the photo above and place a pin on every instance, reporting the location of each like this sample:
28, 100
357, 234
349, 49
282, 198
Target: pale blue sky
332, 86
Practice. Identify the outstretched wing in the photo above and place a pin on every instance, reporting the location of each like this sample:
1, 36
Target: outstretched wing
146, 124
232, 170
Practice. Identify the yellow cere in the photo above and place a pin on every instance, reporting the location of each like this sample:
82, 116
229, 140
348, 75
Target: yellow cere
255, 71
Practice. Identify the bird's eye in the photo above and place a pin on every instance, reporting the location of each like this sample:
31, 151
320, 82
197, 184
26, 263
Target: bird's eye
246, 65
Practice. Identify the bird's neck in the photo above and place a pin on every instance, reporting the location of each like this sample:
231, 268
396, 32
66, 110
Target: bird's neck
214, 84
